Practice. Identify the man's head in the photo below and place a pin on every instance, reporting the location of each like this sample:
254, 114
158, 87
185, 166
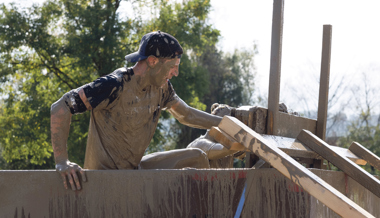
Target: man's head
162, 69
162, 53
158, 44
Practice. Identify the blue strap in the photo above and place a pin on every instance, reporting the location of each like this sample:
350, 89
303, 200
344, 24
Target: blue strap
241, 202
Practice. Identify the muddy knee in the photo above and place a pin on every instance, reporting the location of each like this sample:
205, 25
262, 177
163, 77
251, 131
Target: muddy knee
196, 158
176, 159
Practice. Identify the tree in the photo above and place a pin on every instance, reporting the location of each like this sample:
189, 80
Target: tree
303, 97
365, 129
230, 81
186, 21
45, 52
50, 49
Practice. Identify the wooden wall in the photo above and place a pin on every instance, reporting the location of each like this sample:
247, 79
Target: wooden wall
171, 193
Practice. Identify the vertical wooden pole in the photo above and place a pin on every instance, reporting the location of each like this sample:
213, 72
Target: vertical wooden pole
324, 82
275, 66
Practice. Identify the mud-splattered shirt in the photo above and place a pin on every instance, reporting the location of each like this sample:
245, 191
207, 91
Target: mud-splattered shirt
123, 119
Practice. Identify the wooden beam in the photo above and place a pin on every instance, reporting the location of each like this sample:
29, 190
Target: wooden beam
291, 169
296, 148
365, 154
226, 140
324, 82
290, 146
340, 161
347, 153
290, 126
275, 66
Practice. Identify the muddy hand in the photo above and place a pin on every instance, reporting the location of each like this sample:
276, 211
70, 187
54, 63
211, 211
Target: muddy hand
68, 171
282, 108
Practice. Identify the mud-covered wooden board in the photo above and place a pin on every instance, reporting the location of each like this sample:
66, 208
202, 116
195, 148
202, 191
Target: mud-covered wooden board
290, 146
340, 161
291, 169
365, 154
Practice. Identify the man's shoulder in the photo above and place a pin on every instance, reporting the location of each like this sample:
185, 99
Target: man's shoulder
122, 73
107, 87
122, 70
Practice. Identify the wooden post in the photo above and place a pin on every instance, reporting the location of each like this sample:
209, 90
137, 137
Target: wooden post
324, 82
290, 168
365, 154
275, 66
340, 161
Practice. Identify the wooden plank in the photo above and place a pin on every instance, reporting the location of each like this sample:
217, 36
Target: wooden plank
294, 148
226, 140
324, 82
290, 125
275, 66
365, 154
290, 146
340, 161
291, 169
254, 117
347, 153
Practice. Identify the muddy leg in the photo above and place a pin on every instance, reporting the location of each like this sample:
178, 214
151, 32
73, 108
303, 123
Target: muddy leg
176, 159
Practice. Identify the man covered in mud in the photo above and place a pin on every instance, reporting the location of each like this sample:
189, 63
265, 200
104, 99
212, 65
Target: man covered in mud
125, 107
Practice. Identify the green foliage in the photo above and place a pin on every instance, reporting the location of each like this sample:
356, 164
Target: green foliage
45, 52
187, 22
230, 80
368, 135
234, 74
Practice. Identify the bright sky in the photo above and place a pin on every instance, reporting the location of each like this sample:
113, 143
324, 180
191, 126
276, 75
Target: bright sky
355, 42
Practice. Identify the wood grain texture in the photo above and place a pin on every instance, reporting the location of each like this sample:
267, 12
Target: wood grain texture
290, 146
365, 154
290, 125
291, 169
254, 117
340, 161
226, 140
324, 82
275, 66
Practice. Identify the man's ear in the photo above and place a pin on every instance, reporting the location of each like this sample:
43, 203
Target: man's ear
152, 61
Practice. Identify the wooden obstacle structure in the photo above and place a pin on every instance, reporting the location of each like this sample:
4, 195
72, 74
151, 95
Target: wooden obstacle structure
305, 142
238, 136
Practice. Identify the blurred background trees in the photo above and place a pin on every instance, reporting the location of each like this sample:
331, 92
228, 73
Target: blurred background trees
49, 49
364, 128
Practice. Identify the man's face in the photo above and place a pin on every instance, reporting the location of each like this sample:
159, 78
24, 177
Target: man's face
165, 70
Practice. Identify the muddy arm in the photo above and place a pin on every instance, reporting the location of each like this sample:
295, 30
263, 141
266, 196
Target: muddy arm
59, 126
192, 117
